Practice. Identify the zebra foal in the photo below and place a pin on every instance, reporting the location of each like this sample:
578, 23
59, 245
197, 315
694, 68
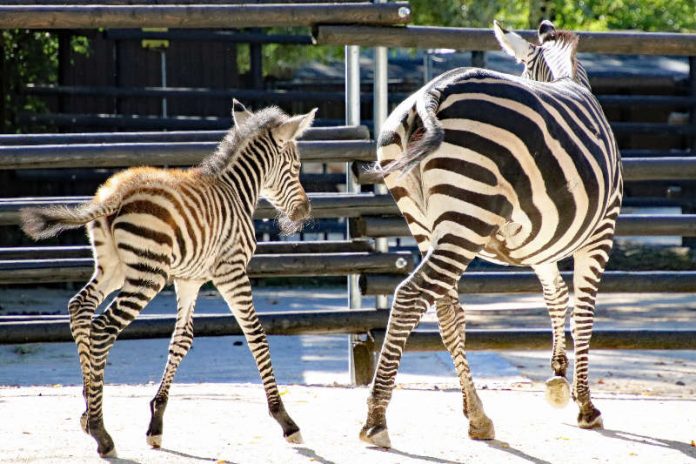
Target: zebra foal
150, 226
522, 171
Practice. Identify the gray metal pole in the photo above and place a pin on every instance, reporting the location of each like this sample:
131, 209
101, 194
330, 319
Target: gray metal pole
352, 86
379, 115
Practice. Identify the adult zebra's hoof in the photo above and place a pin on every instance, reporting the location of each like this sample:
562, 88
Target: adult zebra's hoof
482, 429
154, 441
378, 436
592, 420
83, 422
557, 391
295, 438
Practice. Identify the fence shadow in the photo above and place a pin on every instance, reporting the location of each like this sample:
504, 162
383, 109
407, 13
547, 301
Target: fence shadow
685, 448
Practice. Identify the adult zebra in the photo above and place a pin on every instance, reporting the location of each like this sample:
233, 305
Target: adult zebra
149, 226
517, 170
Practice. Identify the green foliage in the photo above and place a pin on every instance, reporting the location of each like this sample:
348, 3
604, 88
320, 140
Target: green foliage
593, 15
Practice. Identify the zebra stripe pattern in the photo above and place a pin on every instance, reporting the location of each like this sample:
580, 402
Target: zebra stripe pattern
150, 226
520, 171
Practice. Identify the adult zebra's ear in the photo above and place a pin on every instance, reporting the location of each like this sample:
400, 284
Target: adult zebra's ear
513, 44
239, 113
293, 127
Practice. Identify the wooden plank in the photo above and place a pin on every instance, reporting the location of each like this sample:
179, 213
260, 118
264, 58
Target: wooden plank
355, 321
527, 282
158, 154
540, 339
682, 225
311, 134
199, 16
624, 42
324, 205
263, 265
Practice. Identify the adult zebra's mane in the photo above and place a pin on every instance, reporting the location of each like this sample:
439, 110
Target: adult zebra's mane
559, 50
238, 137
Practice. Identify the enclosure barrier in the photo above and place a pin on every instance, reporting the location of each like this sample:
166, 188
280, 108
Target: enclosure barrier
199, 16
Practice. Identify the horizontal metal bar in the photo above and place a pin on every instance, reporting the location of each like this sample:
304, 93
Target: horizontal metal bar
681, 101
199, 16
277, 323
158, 154
527, 282
683, 225
637, 43
634, 169
540, 339
84, 251
264, 265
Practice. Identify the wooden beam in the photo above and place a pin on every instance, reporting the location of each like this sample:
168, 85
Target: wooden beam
199, 16
527, 282
624, 42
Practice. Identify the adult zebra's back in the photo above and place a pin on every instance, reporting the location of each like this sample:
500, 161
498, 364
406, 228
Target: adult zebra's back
516, 170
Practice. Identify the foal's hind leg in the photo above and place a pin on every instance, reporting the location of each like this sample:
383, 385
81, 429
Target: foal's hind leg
180, 344
107, 277
556, 299
452, 320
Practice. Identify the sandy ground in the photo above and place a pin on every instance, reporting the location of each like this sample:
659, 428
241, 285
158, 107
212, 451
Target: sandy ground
648, 397
227, 423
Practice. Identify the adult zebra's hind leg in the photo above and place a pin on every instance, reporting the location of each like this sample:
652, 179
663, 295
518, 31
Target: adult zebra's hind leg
452, 321
179, 346
587, 273
436, 275
556, 299
235, 288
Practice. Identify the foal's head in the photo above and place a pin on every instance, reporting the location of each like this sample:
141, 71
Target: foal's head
281, 185
553, 59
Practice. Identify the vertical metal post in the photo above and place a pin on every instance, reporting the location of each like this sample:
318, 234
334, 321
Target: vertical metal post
380, 111
163, 66
352, 98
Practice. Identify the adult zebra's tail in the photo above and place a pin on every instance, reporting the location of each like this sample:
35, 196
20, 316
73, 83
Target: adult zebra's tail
424, 140
42, 223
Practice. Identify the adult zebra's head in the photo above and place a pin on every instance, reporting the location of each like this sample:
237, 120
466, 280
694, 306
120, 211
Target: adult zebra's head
553, 59
282, 185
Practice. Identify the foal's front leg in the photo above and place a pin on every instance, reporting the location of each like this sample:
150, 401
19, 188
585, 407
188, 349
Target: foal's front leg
234, 286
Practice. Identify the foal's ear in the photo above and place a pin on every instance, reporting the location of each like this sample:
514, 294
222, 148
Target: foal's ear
239, 112
294, 127
513, 44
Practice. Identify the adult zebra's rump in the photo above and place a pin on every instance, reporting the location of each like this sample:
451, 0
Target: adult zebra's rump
148, 226
517, 170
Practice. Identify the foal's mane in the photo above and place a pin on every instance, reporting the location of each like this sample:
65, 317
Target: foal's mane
239, 136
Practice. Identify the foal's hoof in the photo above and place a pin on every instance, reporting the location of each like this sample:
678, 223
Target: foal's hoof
557, 391
295, 438
378, 436
107, 453
592, 420
154, 441
482, 429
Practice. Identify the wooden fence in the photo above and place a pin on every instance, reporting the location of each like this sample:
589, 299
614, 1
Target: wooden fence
372, 215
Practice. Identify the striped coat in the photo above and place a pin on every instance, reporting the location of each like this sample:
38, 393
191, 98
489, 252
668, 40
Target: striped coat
521, 171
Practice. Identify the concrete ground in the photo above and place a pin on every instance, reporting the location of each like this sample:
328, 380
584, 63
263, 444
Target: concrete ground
217, 411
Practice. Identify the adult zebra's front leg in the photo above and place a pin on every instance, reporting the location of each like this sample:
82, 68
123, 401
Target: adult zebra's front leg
179, 346
556, 299
434, 278
234, 286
